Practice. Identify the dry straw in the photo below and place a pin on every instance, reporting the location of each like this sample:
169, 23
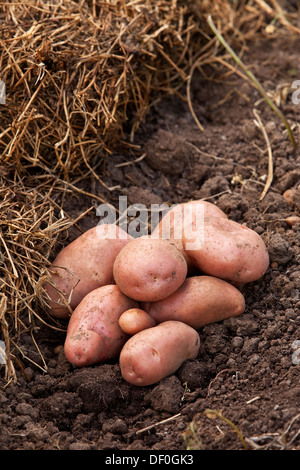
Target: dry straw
77, 72
80, 76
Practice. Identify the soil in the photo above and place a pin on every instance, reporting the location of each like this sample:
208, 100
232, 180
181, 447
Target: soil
248, 367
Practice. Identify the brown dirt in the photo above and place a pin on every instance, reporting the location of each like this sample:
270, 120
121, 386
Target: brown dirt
247, 367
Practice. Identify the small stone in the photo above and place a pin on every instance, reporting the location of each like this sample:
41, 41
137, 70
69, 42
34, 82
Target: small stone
237, 342
27, 410
289, 195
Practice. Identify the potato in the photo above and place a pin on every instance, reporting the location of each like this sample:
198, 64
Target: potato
229, 251
200, 300
154, 353
94, 334
134, 320
293, 220
148, 270
184, 213
178, 219
82, 266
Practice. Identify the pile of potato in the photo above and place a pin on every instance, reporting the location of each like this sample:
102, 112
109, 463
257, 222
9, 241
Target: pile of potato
143, 299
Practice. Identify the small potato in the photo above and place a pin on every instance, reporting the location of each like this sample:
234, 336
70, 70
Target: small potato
153, 354
94, 334
82, 266
148, 270
134, 320
229, 251
200, 300
178, 220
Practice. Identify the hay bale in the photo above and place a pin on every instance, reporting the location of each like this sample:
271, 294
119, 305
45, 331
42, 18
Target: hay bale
77, 73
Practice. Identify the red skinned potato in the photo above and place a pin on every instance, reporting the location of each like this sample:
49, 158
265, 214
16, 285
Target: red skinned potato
180, 218
148, 270
229, 250
94, 334
134, 320
82, 266
200, 300
154, 353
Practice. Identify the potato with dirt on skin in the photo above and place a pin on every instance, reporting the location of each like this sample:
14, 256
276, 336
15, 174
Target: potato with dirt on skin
154, 353
148, 270
82, 266
229, 250
93, 333
178, 218
134, 320
200, 300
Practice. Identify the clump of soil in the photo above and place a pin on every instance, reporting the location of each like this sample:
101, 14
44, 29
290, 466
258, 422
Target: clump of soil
248, 367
